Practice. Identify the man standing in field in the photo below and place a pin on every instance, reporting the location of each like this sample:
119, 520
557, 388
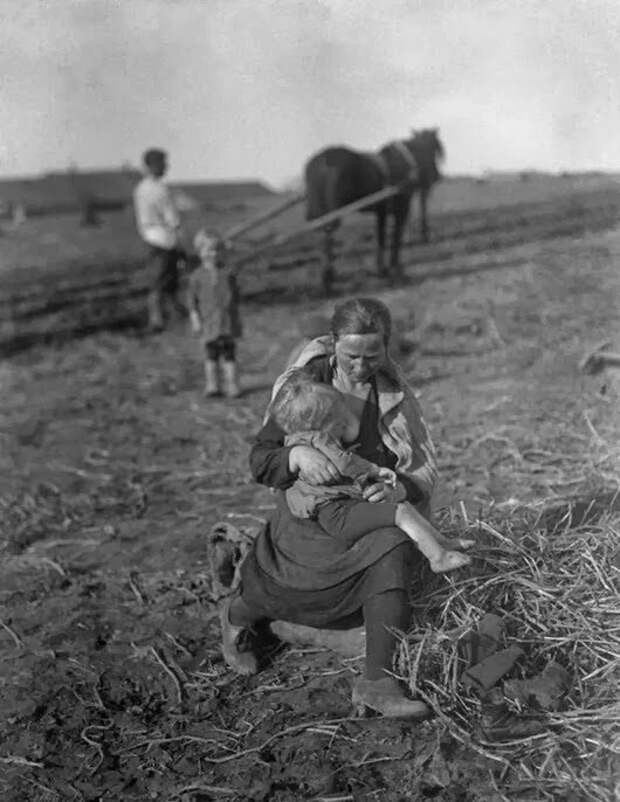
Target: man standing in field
159, 225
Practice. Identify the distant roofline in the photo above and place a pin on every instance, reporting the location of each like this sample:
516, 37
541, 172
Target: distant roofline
68, 171
129, 168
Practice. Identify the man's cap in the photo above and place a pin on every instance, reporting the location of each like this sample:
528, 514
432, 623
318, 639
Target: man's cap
154, 156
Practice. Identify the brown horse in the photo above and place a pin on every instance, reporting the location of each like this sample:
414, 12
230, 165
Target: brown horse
339, 175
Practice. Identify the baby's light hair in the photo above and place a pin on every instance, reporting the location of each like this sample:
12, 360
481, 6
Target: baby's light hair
207, 239
303, 404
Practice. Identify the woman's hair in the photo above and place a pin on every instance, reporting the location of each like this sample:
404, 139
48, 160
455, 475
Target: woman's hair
302, 404
362, 316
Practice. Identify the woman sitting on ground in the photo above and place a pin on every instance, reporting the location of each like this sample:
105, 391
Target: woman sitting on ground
296, 571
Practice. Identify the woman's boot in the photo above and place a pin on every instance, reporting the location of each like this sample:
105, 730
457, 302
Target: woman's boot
231, 383
387, 697
212, 379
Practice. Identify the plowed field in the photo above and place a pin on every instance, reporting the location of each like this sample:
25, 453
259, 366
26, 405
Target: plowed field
113, 468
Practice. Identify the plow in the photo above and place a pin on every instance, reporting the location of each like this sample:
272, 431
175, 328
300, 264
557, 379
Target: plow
56, 295
326, 222
598, 358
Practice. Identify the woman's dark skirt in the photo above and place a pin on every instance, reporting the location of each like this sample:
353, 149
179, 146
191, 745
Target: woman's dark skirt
335, 607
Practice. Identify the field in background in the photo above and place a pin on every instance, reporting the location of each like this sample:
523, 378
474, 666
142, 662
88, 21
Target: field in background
113, 468
59, 279
52, 242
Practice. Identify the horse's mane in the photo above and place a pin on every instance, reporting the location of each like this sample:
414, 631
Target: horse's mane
428, 151
427, 141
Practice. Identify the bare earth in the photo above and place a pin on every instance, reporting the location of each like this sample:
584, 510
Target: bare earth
113, 468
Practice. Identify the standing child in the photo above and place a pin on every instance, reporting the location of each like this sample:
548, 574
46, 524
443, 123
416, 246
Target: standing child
315, 414
214, 314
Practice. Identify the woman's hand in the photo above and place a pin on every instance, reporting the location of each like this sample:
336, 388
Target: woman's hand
380, 491
312, 466
387, 476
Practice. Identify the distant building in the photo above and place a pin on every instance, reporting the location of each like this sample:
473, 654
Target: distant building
104, 190
71, 191
218, 193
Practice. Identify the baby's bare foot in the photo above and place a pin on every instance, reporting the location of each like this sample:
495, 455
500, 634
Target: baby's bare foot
462, 543
455, 542
449, 561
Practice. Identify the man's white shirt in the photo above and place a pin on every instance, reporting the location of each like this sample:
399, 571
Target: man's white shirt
156, 215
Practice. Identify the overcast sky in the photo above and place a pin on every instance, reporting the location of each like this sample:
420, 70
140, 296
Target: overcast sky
251, 88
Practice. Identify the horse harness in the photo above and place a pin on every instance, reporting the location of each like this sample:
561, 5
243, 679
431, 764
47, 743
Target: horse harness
405, 154
381, 163
407, 157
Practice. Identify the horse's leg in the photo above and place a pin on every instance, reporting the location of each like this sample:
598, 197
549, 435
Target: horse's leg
381, 217
424, 231
401, 210
328, 258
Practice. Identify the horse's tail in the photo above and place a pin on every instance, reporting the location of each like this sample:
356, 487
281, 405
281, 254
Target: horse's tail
319, 183
315, 175
431, 158
331, 192
324, 176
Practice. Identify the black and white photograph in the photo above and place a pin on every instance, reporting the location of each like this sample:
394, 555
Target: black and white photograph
309, 400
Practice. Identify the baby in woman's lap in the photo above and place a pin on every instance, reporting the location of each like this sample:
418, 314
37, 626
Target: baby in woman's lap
315, 414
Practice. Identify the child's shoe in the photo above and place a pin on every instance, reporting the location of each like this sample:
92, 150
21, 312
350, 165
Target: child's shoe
212, 379
231, 383
154, 306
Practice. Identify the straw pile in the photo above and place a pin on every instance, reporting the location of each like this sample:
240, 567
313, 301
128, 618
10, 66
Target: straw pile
551, 575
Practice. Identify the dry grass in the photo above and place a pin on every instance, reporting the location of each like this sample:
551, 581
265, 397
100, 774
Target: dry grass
551, 572
113, 469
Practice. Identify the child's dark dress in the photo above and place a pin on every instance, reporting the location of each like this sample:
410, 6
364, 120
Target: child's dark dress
299, 573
